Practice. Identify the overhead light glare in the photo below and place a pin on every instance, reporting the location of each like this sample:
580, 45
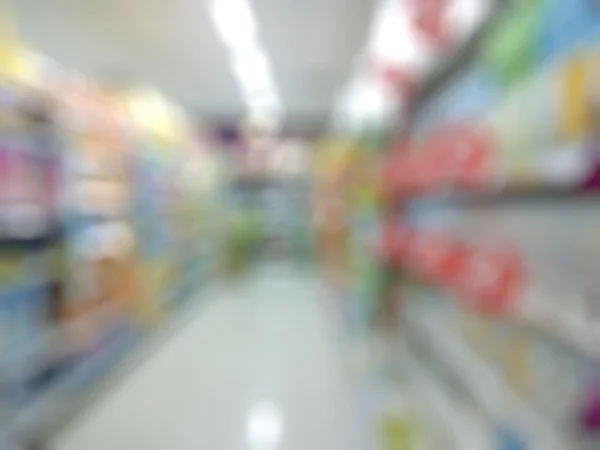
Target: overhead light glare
237, 27
266, 102
235, 23
253, 71
363, 103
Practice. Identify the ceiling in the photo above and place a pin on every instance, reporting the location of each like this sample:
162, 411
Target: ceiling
173, 45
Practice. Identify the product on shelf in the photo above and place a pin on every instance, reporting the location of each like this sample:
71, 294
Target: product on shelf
494, 203
101, 241
30, 163
98, 220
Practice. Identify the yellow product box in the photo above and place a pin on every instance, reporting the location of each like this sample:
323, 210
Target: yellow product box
573, 80
579, 92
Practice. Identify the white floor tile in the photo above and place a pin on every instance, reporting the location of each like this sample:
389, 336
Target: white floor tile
258, 362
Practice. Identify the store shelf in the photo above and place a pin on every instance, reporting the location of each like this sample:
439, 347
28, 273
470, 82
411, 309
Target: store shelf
125, 348
29, 244
584, 341
59, 403
466, 430
491, 395
556, 327
491, 197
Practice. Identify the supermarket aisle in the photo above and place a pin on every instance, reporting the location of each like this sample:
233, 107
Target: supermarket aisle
256, 365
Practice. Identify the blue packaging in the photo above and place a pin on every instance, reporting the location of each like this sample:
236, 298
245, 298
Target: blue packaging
22, 311
566, 23
510, 439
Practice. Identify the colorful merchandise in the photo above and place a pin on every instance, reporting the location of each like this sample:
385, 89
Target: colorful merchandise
493, 208
92, 204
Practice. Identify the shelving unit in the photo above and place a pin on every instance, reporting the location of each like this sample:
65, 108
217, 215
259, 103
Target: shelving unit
494, 400
490, 215
76, 306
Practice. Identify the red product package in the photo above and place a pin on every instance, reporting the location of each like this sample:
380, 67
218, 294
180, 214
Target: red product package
412, 178
491, 280
472, 151
417, 175
392, 243
458, 155
390, 176
395, 169
440, 157
433, 171
428, 253
452, 265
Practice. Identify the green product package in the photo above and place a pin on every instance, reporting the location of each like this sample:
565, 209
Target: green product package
511, 48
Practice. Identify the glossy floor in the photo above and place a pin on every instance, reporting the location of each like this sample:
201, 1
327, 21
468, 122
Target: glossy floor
255, 367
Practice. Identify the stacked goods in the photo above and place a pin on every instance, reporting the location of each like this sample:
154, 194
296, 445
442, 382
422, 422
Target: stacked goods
199, 212
101, 242
244, 236
29, 230
159, 141
177, 178
498, 192
521, 117
331, 205
102, 205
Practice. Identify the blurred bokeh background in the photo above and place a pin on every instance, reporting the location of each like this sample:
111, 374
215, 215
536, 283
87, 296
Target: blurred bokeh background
342, 224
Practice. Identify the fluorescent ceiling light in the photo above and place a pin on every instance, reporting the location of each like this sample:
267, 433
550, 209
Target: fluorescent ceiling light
237, 28
235, 22
264, 102
253, 71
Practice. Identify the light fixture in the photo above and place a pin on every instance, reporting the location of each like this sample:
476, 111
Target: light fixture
264, 103
252, 71
266, 100
234, 22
